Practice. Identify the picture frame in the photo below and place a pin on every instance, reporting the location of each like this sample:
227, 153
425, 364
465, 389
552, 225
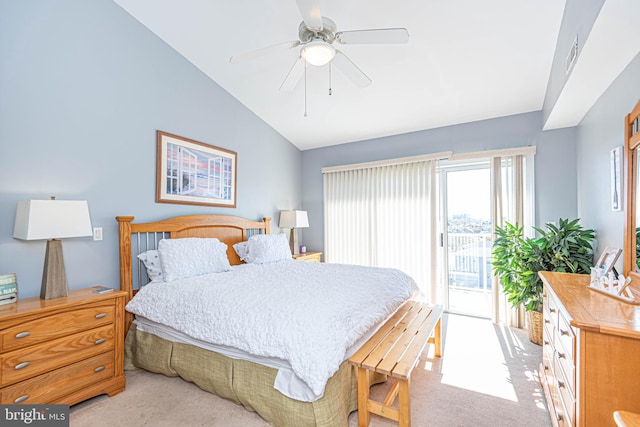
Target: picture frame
607, 259
616, 174
194, 173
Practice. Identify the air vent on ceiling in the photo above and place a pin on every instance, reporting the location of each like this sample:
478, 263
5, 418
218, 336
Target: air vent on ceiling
572, 55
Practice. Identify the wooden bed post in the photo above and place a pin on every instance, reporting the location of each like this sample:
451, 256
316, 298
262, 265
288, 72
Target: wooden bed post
124, 232
266, 221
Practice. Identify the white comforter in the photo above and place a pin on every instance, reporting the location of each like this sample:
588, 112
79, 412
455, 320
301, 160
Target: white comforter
306, 313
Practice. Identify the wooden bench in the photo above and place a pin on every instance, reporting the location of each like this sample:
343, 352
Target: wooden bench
394, 351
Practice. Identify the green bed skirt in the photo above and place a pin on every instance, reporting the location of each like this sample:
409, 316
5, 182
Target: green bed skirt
245, 383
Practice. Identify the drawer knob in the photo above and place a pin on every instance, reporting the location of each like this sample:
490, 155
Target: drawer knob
99, 369
561, 355
546, 368
21, 398
559, 416
21, 365
552, 310
563, 332
547, 321
100, 341
101, 315
23, 334
560, 384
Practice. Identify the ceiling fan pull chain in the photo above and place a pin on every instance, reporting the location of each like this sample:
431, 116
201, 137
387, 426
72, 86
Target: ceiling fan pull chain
305, 88
329, 78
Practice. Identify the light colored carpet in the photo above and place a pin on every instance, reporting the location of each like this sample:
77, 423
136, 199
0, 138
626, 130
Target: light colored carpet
486, 377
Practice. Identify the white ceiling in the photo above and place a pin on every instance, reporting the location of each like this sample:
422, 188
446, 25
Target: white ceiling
466, 60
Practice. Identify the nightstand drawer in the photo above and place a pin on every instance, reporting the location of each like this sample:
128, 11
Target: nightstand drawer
25, 363
53, 386
55, 326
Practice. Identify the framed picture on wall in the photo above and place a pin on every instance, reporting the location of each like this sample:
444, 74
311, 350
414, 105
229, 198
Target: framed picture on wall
616, 173
194, 173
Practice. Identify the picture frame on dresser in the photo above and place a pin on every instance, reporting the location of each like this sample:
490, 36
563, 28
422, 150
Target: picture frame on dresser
194, 173
607, 260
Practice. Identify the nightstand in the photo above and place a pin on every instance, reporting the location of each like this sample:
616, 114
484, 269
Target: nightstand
309, 256
62, 350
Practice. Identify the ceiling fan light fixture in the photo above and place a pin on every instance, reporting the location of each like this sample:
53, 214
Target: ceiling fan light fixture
318, 53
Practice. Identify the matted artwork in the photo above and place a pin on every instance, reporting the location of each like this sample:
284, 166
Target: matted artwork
194, 173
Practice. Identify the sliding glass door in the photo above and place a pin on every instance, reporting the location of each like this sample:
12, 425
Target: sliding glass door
466, 237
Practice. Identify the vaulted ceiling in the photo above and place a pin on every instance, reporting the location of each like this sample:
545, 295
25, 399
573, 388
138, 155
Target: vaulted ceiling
466, 60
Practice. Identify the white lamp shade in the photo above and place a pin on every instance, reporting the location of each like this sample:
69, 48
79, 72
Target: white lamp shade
293, 219
52, 219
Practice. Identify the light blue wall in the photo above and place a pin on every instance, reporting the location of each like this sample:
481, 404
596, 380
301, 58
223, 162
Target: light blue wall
555, 162
83, 89
601, 130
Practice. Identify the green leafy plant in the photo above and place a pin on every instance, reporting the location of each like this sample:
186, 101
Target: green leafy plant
518, 259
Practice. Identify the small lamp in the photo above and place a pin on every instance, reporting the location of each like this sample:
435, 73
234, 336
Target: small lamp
293, 220
52, 220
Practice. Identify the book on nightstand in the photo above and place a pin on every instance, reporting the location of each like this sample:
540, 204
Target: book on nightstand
8, 298
8, 288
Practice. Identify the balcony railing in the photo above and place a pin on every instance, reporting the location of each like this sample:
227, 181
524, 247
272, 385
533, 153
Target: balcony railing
470, 261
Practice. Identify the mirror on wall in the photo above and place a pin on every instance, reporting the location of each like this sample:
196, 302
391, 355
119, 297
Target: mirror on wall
632, 222
636, 225
635, 245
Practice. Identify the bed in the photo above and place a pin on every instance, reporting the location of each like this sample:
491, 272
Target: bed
250, 359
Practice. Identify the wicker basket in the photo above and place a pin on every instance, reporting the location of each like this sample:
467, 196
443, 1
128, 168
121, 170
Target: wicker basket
535, 327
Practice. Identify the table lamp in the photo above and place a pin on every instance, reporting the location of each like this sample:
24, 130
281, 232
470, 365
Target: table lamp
293, 220
52, 220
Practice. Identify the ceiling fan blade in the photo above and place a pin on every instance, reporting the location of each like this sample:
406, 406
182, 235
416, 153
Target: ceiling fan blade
310, 11
264, 51
293, 77
381, 36
351, 70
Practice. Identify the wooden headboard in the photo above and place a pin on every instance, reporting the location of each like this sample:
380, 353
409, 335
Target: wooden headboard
137, 238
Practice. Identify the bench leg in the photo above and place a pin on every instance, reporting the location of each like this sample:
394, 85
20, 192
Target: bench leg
363, 398
404, 404
437, 336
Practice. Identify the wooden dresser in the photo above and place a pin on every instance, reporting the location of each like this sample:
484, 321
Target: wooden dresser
63, 350
591, 353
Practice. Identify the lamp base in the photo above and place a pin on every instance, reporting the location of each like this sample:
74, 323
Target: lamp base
54, 278
293, 242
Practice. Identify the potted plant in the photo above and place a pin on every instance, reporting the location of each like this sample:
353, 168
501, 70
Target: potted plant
518, 259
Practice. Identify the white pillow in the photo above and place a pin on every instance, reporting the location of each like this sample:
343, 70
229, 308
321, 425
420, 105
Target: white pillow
241, 248
264, 248
192, 256
151, 260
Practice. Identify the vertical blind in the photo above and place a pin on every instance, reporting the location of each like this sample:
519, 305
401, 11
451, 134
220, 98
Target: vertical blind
383, 216
510, 203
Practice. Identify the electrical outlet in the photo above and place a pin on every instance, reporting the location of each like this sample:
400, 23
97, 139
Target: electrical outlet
97, 233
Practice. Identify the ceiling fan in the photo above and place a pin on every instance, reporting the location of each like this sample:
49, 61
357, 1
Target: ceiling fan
317, 35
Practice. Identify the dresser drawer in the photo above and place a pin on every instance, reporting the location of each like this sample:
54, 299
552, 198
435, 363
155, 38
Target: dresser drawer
554, 309
55, 326
566, 337
25, 363
53, 386
567, 399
